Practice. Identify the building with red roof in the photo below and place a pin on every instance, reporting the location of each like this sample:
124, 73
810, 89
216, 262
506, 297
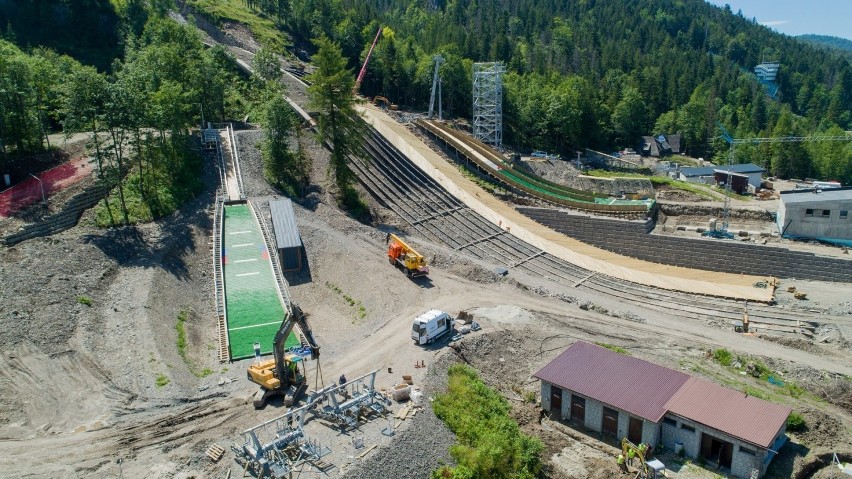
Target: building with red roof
622, 396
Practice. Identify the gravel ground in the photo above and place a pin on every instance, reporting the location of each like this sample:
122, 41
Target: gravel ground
79, 381
419, 449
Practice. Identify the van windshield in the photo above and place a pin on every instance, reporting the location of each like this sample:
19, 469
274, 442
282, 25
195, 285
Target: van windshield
416, 327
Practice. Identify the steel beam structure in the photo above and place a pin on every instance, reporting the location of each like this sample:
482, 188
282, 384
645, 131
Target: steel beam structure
345, 403
488, 103
276, 447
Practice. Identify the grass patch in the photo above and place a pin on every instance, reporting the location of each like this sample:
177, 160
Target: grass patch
360, 310
756, 393
658, 181
85, 300
489, 442
723, 357
683, 160
182, 345
161, 380
181, 334
263, 28
795, 422
613, 347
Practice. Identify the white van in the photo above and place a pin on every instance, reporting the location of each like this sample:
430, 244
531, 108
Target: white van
430, 325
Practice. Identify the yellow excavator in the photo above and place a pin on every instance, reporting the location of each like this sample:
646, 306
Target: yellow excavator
405, 257
280, 375
384, 103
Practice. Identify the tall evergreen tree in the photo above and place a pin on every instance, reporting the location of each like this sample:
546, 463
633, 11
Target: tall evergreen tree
331, 96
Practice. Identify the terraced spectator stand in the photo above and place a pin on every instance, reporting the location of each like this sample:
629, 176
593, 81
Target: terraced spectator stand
632, 238
254, 308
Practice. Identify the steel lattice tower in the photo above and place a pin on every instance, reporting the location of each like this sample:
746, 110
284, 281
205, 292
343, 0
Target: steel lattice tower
488, 103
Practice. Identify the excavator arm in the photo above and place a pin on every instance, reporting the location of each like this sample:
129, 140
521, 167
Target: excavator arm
302, 320
280, 376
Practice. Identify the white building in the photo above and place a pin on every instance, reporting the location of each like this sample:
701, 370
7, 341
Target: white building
816, 214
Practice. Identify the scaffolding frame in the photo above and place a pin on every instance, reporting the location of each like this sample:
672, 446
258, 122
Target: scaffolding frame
488, 103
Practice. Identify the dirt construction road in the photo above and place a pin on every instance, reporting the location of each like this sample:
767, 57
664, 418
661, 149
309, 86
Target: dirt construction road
91, 370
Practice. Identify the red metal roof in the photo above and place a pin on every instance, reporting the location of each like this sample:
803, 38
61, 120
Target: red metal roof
732, 412
627, 383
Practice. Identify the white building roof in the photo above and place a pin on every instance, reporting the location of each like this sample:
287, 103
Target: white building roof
809, 196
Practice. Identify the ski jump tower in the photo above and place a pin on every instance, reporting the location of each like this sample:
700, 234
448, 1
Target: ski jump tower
488, 103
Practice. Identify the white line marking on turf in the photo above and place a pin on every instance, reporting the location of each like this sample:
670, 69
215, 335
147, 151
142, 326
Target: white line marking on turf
248, 274
241, 245
245, 260
255, 325
239, 232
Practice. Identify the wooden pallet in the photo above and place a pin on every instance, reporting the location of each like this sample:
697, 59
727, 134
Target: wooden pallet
215, 452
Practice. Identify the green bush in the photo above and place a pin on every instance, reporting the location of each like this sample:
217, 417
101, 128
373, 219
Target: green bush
489, 442
760, 370
795, 422
84, 300
161, 380
723, 357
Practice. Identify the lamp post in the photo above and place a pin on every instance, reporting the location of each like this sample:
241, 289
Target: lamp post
41, 184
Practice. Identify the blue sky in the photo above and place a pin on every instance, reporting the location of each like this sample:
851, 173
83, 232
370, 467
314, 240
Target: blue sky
797, 17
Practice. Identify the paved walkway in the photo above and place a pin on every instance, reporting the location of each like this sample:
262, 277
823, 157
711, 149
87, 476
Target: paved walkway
253, 305
578, 253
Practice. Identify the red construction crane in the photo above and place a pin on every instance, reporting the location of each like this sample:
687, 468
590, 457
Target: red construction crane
366, 60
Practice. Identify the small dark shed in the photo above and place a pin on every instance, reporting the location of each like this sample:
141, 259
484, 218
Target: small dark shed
287, 238
739, 183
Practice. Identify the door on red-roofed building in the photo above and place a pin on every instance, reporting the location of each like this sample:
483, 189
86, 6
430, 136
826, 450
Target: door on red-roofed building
556, 399
609, 425
634, 430
578, 409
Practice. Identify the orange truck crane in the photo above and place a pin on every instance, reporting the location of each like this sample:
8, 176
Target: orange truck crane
405, 257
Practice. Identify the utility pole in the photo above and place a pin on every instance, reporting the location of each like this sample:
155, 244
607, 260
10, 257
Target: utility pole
436, 86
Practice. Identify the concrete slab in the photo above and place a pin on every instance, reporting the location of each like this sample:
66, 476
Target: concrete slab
596, 260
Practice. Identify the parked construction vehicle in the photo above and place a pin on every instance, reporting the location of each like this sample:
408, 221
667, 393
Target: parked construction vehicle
384, 103
646, 469
280, 375
405, 257
430, 326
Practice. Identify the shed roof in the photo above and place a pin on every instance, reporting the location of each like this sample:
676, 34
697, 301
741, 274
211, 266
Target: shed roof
284, 224
808, 195
744, 168
630, 384
674, 141
691, 171
735, 413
